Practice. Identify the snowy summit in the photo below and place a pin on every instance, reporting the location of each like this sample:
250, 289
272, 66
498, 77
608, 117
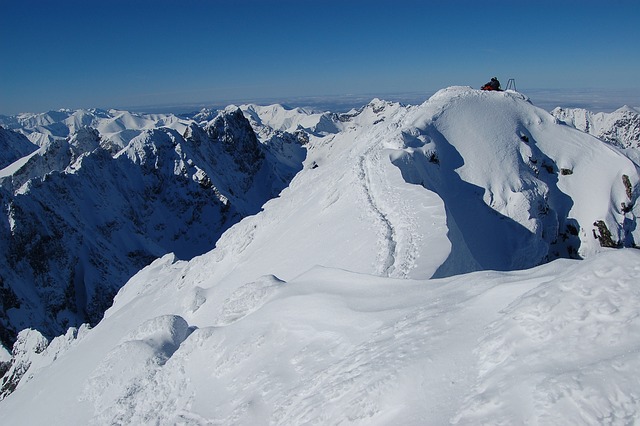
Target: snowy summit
470, 260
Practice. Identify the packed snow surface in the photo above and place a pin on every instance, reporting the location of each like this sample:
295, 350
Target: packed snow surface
416, 271
557, 344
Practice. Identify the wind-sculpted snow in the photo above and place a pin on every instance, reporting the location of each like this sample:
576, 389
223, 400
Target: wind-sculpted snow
518, 188
247, 299
132, 365
556, 343
564, 353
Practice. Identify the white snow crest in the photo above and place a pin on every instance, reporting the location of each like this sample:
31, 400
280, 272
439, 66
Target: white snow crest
130, 367
564, 352
247, 298
147, 280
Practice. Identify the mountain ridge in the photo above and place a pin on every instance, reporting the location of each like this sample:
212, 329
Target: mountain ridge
620, 127
400, 276
83, 217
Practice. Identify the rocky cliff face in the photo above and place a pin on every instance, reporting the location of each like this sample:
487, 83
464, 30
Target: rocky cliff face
81, 216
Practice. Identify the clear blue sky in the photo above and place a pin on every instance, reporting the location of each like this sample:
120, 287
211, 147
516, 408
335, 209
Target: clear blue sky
117, 53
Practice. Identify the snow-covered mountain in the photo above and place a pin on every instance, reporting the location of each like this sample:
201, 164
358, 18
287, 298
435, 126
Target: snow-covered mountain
281, 119
82, 216
117, 126
620, 127
448, 262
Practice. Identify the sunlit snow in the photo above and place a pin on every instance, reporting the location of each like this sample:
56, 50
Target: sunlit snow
430, 264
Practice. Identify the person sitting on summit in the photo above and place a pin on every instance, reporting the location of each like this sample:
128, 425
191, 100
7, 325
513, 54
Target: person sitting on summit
494, 84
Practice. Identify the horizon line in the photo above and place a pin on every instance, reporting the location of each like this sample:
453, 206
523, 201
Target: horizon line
593, 99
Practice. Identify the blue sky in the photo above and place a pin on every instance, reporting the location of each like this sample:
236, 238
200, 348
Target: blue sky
77, 54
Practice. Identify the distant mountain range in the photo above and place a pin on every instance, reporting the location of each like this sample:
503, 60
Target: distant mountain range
621, 127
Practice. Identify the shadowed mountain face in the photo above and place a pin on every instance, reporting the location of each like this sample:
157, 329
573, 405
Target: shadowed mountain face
13, 146
82, 216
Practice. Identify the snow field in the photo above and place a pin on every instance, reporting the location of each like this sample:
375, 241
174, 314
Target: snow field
565, 352
556, 345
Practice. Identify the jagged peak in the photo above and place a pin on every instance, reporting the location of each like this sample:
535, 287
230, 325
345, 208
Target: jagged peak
85, 132
85, 140
620, 127
13, 146
229, 119
230, 109
194, 131
159, 136
205, 114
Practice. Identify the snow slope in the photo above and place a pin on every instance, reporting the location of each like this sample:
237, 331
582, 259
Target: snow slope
372, 200
551, 181
320, 308
552, 345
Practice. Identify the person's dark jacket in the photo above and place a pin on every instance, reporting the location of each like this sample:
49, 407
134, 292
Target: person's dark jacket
494, 84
